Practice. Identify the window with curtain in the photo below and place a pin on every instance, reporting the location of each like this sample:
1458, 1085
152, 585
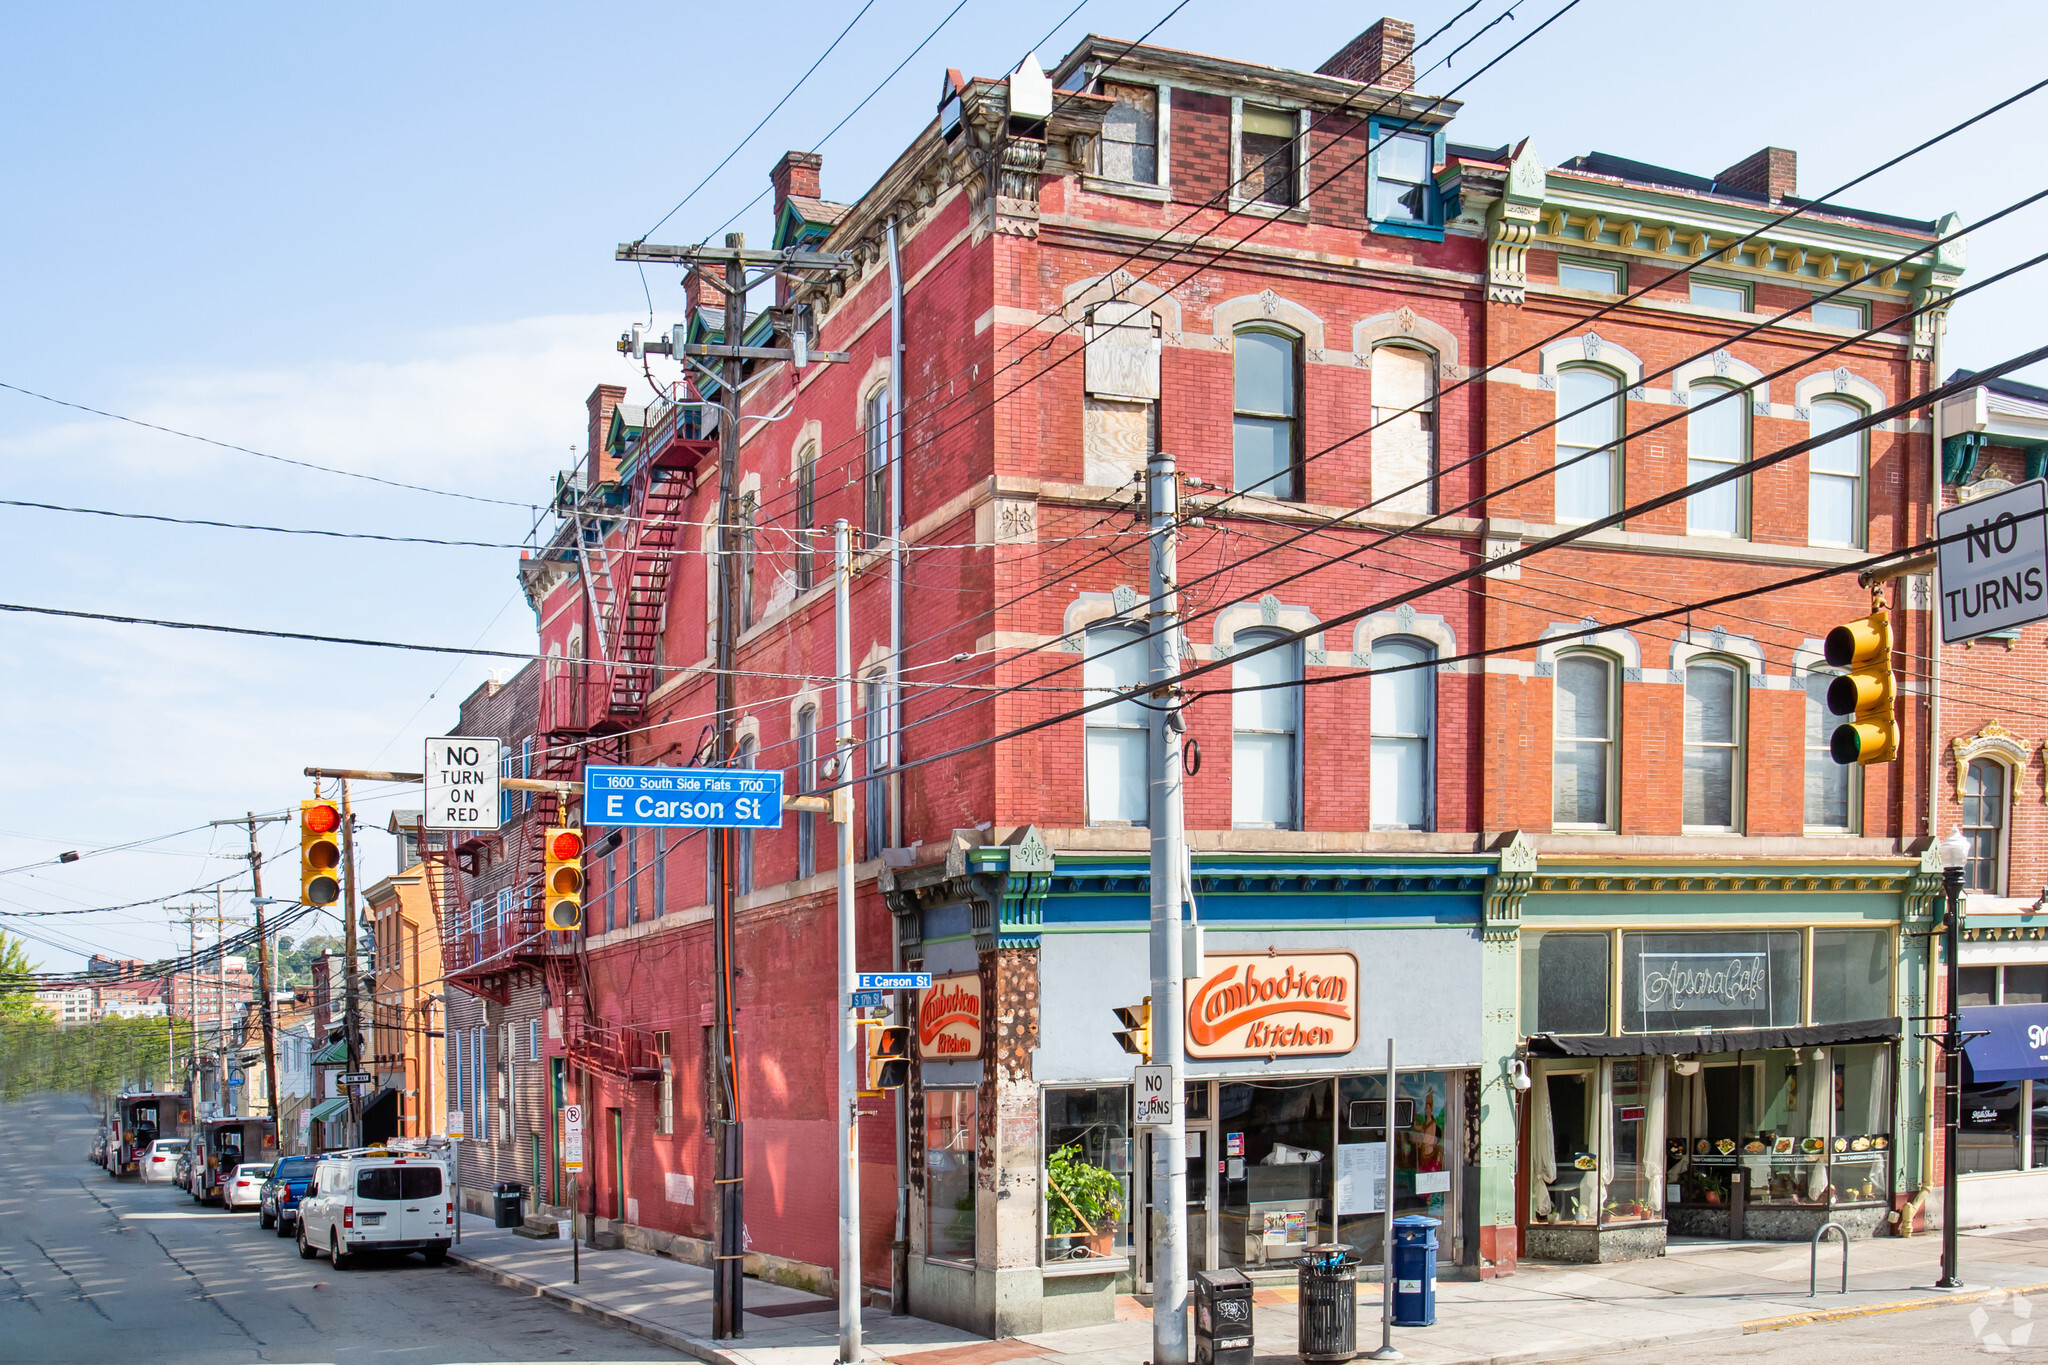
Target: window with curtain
806, 782
1403, 429
1264, 430
1266, 156
1586, 455
1265, 725
1984, 785
743, 839
875, 506
874, 792
1713, 744
1830, 786
1119, 736
1403, 731
806, 517
1834, 479
1128, 149
1716, 439
1582, 743
1401, 178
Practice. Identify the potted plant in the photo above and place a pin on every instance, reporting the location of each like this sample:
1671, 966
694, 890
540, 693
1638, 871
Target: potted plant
1083, 1199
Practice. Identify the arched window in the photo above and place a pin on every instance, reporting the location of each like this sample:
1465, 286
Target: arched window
748, 544
1403, 734
1984, 794
806, 782
1716, 438
1834, 479
1265, 726
744, 839
806, 516
1831, 787
875, 507
1712, 796
1265, 435
874, 792
1582, 751
1403, 429
1118, 737
1586, 454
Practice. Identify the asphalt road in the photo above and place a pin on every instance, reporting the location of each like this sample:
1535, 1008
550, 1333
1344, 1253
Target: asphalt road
96, 1270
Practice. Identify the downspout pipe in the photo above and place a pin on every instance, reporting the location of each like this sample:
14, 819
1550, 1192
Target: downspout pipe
1928, 1050
899, 1257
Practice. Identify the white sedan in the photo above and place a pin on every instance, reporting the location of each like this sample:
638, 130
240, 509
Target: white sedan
243, 1189
160, 1162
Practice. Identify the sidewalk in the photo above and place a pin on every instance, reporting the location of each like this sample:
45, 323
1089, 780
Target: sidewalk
1701, 1290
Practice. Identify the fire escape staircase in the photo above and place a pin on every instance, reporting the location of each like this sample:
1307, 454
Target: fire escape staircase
641, 615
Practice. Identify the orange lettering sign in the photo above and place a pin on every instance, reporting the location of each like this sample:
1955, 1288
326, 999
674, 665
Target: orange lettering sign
1263, 1005
949, 1018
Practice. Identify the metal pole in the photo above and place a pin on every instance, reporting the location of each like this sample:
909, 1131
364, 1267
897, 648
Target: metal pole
1386, 1350
850, 1052
263, 972
1951, 1067
1170, 1256
348, 939
575, 1242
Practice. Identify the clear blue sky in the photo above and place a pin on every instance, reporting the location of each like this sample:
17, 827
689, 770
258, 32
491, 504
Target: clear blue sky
381, 237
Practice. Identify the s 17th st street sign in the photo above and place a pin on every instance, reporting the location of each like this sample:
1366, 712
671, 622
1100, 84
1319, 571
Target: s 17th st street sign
683, 798
462, 783
1996, 576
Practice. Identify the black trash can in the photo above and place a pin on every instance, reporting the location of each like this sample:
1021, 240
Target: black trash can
509, 1204
1223, 1318
1328, 1303
1415, 1270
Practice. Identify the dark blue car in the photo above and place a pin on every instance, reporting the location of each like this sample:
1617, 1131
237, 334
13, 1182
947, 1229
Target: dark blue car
283, 1191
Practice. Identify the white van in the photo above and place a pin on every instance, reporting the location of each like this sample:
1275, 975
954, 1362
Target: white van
377, 1200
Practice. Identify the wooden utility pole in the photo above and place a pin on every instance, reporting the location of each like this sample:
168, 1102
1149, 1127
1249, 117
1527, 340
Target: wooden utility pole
348, 938
251, 820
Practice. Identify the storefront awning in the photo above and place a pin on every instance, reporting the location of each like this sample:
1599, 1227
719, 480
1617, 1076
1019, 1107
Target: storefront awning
1728, 1040
329, 1110
334, 1054
2008, 1050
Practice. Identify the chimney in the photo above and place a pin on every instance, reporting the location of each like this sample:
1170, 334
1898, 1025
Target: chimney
700, 292
796, 173
599, 466
1770, 174
1382, 55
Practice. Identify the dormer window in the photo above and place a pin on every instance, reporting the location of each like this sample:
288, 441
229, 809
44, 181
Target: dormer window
1128, 149
1268, 169
1404, 199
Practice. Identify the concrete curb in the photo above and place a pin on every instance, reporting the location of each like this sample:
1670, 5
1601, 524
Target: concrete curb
1936, 1299
576, 1303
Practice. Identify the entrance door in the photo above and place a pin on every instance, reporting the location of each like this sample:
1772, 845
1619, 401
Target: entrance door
618, 1134
1201, 1225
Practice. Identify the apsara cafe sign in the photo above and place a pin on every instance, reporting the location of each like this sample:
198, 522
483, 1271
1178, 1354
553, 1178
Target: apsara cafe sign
949, 1019
1271, 1005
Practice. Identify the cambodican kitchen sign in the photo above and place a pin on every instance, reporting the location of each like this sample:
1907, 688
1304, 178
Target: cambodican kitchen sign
1273, 1005
949, 1019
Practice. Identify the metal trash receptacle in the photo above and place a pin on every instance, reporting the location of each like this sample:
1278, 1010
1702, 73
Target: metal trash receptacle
1415, 1270
1328, 1307
1223, 1318
508, 1204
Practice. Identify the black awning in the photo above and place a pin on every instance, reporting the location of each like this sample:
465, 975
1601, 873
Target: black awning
1728, 1040
379, 1119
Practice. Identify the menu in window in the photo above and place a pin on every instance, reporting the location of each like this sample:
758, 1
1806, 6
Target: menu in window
1361, 1178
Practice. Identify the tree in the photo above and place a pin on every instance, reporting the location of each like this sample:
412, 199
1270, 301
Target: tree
17, 991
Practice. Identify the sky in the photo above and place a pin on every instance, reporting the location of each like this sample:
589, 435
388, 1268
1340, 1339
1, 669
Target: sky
380, 238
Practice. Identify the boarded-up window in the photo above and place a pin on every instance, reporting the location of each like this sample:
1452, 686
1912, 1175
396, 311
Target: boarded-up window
1128, 149
1403, 428
1123, 351
1117, 438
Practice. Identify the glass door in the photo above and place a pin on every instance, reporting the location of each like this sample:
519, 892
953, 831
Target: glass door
1201, 1168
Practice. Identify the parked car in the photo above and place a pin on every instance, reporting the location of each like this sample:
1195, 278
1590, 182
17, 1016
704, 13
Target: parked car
383, 1202
282, 1192
160, 1162
181, 1174
243, 1187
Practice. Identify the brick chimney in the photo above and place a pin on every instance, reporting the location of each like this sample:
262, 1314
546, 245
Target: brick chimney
700, 292
796, 173
1382, 55
598, 465
1771, 174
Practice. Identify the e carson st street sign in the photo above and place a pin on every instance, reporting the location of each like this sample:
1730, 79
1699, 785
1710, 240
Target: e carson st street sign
1996, 576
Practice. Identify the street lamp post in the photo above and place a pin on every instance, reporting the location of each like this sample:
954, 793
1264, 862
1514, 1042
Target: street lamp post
1955, 852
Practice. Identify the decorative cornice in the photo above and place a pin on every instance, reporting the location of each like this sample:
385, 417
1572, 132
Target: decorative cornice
1655, 882
1998, 742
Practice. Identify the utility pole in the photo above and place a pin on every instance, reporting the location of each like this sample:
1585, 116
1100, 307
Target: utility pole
728, 1145
1169, 838
220, 1005
251, 820
348, 932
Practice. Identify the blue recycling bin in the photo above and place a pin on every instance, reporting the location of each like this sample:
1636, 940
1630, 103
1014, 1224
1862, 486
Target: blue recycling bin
1415, 1270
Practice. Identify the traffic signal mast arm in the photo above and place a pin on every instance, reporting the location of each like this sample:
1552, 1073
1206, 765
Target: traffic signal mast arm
816, 805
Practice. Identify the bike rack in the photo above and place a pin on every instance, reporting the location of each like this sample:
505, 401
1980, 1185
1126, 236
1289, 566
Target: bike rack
1813, 1267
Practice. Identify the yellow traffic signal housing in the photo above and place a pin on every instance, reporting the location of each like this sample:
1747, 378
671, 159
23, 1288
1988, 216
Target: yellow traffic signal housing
319, 852
1136, 1034
1865, 691
562, 878
888, 1047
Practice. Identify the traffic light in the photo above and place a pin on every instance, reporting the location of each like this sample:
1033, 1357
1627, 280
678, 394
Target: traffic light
1865, 690
319, 852
888, 1057
562, 883
1136, 1035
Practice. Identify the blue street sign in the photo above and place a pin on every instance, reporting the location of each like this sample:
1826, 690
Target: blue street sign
234, 1080
893, 981
683, 798
868, 1000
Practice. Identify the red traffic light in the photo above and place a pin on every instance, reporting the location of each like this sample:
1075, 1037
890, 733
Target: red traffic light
321, 818
567, 843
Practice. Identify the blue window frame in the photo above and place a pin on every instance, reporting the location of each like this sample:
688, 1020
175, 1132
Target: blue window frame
1402, 195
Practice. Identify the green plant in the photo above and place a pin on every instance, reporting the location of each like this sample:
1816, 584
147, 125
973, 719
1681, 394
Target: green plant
1079, 1197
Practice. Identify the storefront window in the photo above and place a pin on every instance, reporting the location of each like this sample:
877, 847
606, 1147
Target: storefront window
1979, 986
1088, 1172
1565, 1181
1991, 1128
949, 1173
1852, 975
2024, 985
1564, 982
1861, 1139
1632, 1190
1276, 1139
2040, 1123
1426, 1156
1685, 982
